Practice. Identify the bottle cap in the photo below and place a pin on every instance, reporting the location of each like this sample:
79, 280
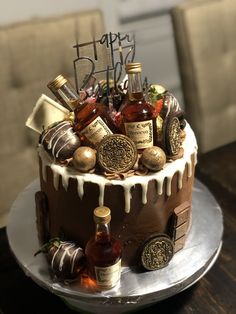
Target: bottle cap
102, 214
57, 82
133, 67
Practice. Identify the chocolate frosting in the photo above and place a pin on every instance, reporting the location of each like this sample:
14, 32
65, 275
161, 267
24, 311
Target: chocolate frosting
140, 206
75, 215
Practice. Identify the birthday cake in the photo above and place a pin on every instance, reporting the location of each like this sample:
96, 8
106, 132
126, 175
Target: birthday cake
130, 150
141, 206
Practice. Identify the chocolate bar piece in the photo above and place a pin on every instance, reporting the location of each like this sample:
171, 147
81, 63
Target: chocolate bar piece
42, 217
180, 231
181, 214
179, 244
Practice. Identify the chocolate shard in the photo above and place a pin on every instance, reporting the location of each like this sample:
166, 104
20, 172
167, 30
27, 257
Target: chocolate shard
42, 217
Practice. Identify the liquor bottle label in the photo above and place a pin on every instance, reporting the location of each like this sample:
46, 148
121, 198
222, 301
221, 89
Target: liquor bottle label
108, 276
96, 131
141, 133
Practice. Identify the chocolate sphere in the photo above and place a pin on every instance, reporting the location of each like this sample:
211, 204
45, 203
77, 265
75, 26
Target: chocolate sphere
153, 158
84, 158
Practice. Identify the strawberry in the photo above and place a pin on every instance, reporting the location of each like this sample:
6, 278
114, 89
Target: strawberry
158, 106
156, 94
66, 258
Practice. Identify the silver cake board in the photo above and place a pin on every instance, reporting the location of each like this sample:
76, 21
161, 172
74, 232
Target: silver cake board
136, 289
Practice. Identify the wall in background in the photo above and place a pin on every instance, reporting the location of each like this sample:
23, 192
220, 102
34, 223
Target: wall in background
19, 10
150, 22
155, 48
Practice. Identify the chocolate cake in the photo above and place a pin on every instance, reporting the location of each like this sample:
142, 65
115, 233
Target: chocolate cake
124, 145
141, 206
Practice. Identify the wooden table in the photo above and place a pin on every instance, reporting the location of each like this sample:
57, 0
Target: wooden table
214, 293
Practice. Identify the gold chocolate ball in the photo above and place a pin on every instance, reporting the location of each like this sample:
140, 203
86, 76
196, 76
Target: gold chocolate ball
153, 158
84, 158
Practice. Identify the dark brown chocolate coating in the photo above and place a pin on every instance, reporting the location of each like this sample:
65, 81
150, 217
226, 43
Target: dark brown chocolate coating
60, 141
67, 260
171, 106
42, 217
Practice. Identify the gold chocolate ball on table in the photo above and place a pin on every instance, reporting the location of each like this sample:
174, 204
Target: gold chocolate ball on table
153, 158
84, 159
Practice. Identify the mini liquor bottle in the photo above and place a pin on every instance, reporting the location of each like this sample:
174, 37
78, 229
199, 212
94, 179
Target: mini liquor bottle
64, 92
91, 120
137, 114
103, 252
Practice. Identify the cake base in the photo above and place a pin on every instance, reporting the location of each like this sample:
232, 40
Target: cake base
136, 290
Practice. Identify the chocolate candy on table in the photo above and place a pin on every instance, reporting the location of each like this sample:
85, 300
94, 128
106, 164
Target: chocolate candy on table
117, 153
60, 141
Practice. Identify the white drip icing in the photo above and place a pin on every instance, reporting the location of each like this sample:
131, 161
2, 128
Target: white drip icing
80, 186
168, 186
144, 193
160, 186
128, 196
189, 167
180, 179
101, 193
65, 182
166, 174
